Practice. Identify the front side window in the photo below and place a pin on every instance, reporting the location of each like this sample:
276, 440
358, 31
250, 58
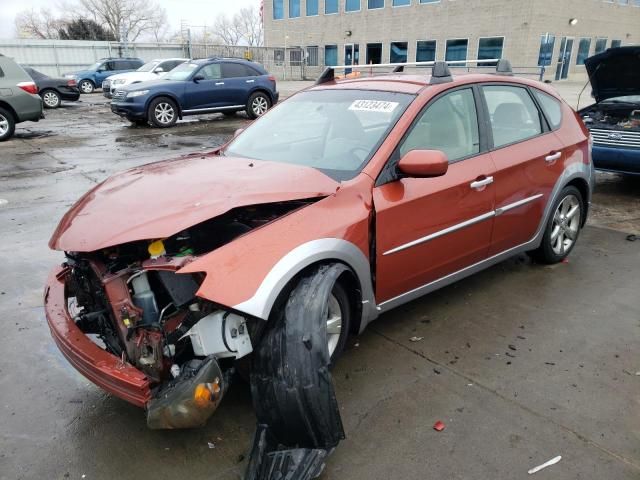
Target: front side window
398, 52
312, 8
514, 116
456, 50
551, 107
211, 71
583, 50
108, 66
426, 51
601, 45
334, 131
372, 4
278, 9
331, 55
294, 8
330, 6
546, 50
490, 48
449, 124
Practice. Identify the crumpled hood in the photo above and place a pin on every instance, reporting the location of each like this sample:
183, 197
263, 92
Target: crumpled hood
614, 72
161, 199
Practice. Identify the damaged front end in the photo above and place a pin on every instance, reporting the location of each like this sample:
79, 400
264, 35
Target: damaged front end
127, 319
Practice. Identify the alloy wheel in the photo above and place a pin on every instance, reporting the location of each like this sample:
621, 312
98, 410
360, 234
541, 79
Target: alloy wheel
50, 99
259, 105
86, 87
4, 125
566, 223
164, 113
334, 324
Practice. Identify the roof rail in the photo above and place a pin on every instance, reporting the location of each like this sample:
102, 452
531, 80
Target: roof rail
440, 69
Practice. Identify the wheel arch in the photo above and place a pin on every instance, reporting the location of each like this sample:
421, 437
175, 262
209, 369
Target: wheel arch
261, 89
9, 109
583, 187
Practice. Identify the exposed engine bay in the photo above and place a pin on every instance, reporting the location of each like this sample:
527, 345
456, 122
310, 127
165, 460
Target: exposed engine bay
132, 302
612, 116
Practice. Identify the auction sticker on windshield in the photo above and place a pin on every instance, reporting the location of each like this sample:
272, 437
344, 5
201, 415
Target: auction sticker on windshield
373, 106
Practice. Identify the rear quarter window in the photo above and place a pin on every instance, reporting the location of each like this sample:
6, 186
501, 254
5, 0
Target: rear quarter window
551, 107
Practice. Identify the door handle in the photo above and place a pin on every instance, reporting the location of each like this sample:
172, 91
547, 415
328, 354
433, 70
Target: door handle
250, 81
552, 157
219, 83
480, 184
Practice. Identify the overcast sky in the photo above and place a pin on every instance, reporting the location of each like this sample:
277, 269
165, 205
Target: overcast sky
196, 12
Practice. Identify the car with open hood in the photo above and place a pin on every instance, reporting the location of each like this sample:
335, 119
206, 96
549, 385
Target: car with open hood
346, 200
614, 120
152, 70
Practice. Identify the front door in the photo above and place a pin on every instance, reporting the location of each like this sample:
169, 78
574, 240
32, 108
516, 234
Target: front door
528, 163
351, 56
428, 228
205, 93
564, 58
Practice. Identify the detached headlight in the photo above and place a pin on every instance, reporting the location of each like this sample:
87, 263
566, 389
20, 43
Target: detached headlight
137, 93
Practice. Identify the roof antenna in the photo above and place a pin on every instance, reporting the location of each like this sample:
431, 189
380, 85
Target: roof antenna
440, 73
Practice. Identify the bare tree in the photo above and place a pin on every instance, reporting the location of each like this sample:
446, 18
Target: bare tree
249, 21
227, 31
38, 24
135, 17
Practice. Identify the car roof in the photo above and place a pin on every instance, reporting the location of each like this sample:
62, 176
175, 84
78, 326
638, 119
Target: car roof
414, 83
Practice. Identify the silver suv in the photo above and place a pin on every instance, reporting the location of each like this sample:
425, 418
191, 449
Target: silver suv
19, 99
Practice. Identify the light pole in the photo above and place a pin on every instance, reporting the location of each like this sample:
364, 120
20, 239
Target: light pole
286, 37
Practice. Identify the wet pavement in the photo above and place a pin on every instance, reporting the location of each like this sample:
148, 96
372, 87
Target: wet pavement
521, 362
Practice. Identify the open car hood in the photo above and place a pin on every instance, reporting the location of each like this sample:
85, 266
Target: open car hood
161, 199
614, 72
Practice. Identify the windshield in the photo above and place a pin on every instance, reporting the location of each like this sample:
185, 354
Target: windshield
148, 67
623, 99
335, 131
93, 66
181, 72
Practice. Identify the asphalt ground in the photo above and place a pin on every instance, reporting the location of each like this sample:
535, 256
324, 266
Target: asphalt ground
521, 362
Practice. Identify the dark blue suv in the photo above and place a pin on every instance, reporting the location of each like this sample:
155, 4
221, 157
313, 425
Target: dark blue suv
226, 85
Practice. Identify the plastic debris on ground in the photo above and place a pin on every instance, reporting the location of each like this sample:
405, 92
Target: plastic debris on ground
438, 426
553, 461
415, 339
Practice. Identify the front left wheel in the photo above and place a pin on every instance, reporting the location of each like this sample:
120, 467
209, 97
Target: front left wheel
163, 112
51, 99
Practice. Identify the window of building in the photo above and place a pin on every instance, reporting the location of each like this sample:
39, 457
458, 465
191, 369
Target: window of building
623, 2
352, 5
616, 43
330, 55
636, 3
449, 124
372, 4
398, 53
456, 49
429, 1
330, 6
312, 8
374, 53
294, 8
583, 50
426, 51
490, 48
278, 9
551, 107
312, 56
403, 3
278, 56
601, 45
547, 43
514, 116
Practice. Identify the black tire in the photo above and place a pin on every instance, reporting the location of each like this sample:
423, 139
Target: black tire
230, 113
163, 112
140, 122
7, 125
561, 232
258, 104
86, 86
341, 296
50, 98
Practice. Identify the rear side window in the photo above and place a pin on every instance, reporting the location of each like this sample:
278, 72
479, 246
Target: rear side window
514, 115
232, 70
551, 107
449, 124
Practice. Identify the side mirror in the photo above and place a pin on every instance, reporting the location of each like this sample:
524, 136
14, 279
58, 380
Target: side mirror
238, 132
424, 163
197, 78
158, 70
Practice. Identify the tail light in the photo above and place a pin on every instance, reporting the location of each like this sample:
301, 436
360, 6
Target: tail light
72, 83
29, 87
272, 78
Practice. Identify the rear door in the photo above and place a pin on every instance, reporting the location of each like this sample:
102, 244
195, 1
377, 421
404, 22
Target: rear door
428, 228
204, 94
239, 80
528, 159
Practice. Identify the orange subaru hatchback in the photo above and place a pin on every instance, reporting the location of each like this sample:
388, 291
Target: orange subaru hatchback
348, 199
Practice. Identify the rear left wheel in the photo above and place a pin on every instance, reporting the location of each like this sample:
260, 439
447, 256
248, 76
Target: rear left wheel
50, 98
7, 125
86, 86
258, 105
